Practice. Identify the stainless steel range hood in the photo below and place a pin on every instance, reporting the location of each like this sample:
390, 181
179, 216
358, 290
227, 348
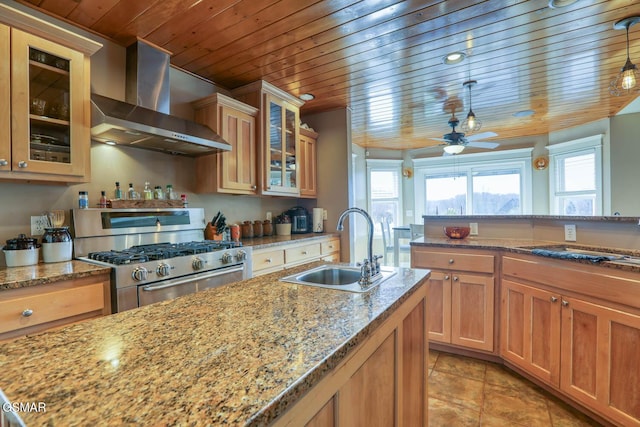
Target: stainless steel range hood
143, 121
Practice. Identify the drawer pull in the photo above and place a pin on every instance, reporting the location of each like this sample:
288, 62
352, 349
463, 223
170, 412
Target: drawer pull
268, 260
304, 252
26, 313
554, 299
330, 246
450, 260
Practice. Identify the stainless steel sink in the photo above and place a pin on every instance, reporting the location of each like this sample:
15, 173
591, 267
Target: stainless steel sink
344, 278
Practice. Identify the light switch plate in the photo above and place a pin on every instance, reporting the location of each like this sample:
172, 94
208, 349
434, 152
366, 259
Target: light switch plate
38, 223
570, 232
474, 228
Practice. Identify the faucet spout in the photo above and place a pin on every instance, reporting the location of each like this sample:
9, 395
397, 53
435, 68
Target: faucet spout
373, 261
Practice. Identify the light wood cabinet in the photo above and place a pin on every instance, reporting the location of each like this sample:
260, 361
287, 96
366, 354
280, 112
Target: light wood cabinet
461, 296
308, 163
278, 137
38, 308
275, 258
384, 381
555, 328
49, 109
235, 171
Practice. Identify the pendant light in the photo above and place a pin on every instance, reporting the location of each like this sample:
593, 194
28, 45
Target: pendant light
628, 76
471, 123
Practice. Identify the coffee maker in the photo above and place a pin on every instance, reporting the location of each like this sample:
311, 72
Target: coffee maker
300, 221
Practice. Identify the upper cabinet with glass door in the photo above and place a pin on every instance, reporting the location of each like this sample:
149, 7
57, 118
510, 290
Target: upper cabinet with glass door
49, 105
278, 137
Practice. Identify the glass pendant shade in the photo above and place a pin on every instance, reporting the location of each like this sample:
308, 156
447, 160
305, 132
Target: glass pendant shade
627, 79
453, 149
471, 123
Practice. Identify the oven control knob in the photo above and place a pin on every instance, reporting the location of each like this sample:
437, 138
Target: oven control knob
163, 269
241, 255
227, 258
197, 263
140, 274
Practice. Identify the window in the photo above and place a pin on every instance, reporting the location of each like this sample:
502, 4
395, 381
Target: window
474, 184
575, 177
385, 192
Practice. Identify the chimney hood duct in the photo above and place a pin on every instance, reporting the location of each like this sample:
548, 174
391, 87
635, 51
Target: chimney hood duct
144, 121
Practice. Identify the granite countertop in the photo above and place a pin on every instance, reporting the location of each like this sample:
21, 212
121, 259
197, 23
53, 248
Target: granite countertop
240, 354
269, 241
43, 273
525, 246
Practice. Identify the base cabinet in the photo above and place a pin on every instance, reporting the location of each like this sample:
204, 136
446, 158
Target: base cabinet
582, 346
383, 382
461, 301
270, 259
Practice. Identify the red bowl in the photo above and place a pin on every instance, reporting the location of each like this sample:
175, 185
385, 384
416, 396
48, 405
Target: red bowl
457, 232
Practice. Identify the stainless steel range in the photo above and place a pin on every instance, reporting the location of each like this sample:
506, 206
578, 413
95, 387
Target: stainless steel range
156, 254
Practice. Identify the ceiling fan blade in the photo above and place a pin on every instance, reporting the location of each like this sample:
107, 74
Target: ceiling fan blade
482, 144
439, 139
482, 135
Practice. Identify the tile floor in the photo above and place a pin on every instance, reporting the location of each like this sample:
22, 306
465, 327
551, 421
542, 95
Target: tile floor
470, 392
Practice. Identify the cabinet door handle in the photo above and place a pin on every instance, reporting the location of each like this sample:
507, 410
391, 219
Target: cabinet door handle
565, 303
554, 299
3, 162
446, 277
22, 164
450, 260
455, 278
26, 313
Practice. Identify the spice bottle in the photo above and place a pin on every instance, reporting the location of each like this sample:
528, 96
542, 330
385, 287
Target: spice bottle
103, 200
185, 204
83, 199
117, 193
158, 193
148, 192
169, 194
131, 193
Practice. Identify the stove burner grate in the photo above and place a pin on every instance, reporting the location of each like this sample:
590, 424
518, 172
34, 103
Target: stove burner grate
158, 251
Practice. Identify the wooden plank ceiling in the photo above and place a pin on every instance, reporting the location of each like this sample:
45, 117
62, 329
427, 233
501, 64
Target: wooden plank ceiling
383, 58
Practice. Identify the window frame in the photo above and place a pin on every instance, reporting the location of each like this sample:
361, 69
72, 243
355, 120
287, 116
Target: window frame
468, 163
385, 165
577, 147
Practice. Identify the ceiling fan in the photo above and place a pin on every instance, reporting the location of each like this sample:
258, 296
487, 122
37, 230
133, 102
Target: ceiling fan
454, 142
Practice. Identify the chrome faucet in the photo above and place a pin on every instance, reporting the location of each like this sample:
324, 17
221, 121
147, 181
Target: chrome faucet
370, 267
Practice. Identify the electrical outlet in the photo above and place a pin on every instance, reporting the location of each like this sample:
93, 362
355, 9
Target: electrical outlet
474, 228
570, 232
269, 216
38, 223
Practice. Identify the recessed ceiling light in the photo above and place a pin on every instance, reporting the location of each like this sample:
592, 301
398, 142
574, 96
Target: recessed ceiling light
524, 113
557, 4
110, 142
453, 58
307, 97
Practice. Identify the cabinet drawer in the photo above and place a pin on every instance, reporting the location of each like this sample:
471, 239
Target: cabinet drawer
268, 259
331, 246
452, 261
301, 253
48, 306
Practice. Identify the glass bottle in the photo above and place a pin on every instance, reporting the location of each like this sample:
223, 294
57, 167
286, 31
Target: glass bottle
102, 203
131, 193
158, 193
148, 193
117, 193
83, 200
169, 193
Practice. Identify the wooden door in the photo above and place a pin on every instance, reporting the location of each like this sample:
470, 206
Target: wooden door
237, 167
472, 310
439, 312
530, 330
5, 99
307, 154
599, 361
51, 137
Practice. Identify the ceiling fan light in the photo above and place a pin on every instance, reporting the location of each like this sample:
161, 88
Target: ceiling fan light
453, 149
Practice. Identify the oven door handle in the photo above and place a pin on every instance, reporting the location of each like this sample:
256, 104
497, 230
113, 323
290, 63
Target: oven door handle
214, 273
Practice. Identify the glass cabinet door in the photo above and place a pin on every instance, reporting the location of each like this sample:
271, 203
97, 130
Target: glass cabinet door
281, 157
47, 107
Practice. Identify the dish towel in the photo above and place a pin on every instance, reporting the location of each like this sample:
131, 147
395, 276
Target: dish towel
573, 255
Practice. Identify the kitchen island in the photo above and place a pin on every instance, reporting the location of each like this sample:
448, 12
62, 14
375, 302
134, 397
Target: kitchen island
242, 354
